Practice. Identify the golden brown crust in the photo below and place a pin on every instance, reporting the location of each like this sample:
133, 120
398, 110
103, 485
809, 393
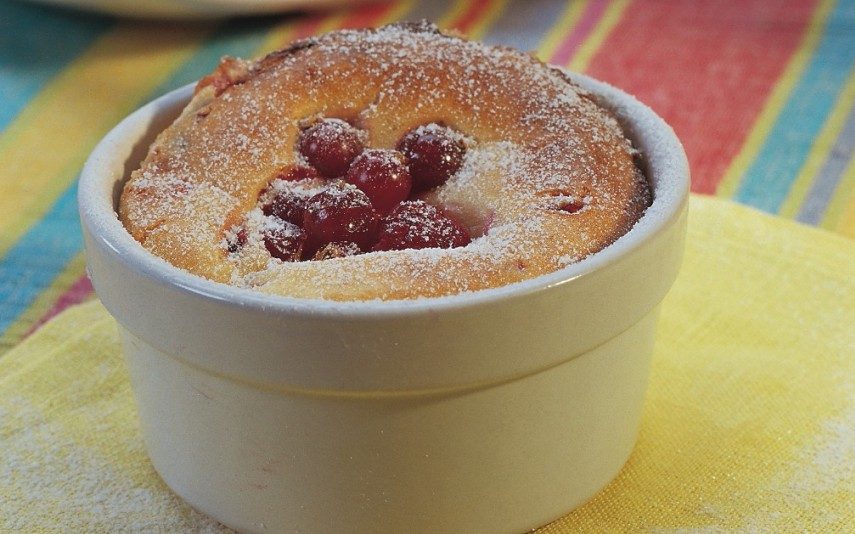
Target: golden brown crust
536, 142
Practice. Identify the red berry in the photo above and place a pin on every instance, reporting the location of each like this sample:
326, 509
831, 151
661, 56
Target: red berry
287, 202
339, 213
236, 240
417, 224
572, 205
286, 205
383, 176
284, 240
297, 173
330, 146
433, 155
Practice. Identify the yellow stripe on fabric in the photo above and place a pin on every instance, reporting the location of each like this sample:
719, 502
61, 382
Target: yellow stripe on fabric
285, 33
70, 427
399, 11
820, 151
73, 352
840, 214
454, 12
45, 301
558, 32
775, 104
612, 15
46, 145
487, 19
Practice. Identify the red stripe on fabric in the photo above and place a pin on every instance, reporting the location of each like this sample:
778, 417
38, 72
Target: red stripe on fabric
307, 28
361, 17
706, 67
75, 294
473, 14
367, 16
580, 31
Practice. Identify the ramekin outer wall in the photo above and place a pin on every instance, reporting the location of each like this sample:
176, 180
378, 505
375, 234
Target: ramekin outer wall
495, 411
449, 342
499, 459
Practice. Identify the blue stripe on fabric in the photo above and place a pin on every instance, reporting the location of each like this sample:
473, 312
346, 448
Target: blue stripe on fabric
36, 43
41, 254
768, 180
829, 176
523, 25
38, 257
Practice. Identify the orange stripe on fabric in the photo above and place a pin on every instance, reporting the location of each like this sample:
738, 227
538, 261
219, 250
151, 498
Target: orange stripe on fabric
468, 17
378, 16
282, 35
477, 20
390, 12
455, 12
372, 15
592, 43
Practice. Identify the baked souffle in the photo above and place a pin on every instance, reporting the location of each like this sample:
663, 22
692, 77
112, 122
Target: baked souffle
389, 163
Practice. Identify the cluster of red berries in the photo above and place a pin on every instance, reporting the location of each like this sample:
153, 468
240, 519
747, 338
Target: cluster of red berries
367, 204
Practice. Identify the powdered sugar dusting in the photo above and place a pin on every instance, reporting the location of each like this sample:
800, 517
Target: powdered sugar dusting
86, 490
548, 176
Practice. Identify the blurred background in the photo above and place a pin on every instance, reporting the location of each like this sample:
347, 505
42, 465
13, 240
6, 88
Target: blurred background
761, 94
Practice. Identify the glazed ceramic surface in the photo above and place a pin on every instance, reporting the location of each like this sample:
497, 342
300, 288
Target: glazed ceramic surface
493, 411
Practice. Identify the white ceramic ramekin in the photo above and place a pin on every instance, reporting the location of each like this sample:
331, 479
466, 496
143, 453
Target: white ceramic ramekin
494, 411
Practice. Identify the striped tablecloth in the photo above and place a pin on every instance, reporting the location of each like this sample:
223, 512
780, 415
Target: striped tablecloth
761, 94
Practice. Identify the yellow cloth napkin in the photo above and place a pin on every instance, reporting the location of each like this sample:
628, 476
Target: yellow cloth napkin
749, 422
